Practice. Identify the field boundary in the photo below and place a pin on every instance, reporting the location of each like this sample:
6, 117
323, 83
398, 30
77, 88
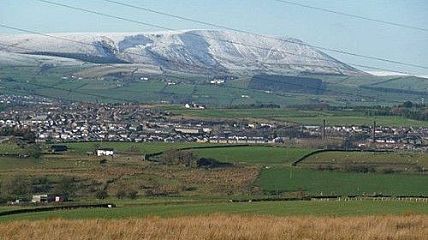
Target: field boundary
149, 155
55, 208
335, 150
338, 198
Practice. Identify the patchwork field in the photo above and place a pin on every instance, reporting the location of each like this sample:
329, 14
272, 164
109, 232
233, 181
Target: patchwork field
259, 177
103, 85
291, 115
164, 209
254, 155
386, 162
316, 182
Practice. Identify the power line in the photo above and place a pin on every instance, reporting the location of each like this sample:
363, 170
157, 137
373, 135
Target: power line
89, 44
187, 64
47, 35
171, 29
114, 66
178, 77
243, 31
79, 42
184, 78
353, 15
163, 58
84, 43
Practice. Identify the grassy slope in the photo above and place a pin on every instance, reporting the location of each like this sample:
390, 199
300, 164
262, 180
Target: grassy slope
124, 147
342, 183
254, 155
405, 158
298, 116
6, 148
299, 208
341, 90
223, 227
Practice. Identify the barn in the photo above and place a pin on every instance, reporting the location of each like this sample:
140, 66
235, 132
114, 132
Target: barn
58, 148
105, 152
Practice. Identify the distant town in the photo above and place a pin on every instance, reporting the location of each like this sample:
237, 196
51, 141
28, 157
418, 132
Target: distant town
53, 122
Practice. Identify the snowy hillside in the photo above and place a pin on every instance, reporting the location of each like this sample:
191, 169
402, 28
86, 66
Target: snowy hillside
191, 50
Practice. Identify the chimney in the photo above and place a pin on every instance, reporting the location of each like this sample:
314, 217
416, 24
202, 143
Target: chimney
324, 135
374, 131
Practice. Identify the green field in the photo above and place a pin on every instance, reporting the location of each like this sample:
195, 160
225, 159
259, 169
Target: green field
314, 182
394, 160
50, 82
6, 148
253, 154
292, 115
299, 208
174, 189
126, 147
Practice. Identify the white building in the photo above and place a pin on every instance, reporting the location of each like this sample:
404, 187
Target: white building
40, 198
105, 152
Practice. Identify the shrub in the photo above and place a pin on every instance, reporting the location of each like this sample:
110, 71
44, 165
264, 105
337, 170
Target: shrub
101, 194
132, 194
121, 194
388, 171
66, 187
15, 187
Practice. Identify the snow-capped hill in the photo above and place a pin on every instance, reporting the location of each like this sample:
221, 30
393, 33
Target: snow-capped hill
191, 50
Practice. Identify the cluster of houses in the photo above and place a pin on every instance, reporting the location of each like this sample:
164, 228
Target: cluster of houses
59, 122
23, 100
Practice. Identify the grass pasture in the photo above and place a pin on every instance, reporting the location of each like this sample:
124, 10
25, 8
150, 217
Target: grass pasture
279, 209
174, 190
405, 161
129, 148
92, 86
292, 115
315, 182
9, 149
223, 227
254, 154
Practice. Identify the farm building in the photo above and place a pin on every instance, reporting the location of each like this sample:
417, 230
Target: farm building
58, 148
105, 152
43, 198
189, 130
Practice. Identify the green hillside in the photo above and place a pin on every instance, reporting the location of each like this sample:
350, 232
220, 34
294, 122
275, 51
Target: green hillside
82, 84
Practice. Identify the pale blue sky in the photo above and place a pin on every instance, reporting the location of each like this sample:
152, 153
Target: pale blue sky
260, 16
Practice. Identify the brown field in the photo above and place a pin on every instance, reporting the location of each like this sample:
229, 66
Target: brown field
221, 227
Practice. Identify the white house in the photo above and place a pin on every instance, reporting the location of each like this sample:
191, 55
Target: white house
40, 198
105, 152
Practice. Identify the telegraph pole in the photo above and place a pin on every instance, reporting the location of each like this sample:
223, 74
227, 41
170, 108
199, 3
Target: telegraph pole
324, 135
374, 131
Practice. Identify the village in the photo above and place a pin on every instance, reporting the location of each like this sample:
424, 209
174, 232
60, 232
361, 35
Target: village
56, 122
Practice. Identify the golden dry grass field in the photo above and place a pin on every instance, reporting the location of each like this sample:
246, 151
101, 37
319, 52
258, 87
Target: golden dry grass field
220, 227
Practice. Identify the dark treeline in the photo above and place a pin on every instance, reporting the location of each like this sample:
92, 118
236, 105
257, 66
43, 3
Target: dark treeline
255, 105
277, 83
24, 133
407, 109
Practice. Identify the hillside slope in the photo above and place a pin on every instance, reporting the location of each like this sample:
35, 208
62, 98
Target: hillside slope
185, 51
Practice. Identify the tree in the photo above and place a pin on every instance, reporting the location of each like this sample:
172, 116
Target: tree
408, 104
41, 185
101, 194
34, 151
121, 194
66, 187
15, 187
